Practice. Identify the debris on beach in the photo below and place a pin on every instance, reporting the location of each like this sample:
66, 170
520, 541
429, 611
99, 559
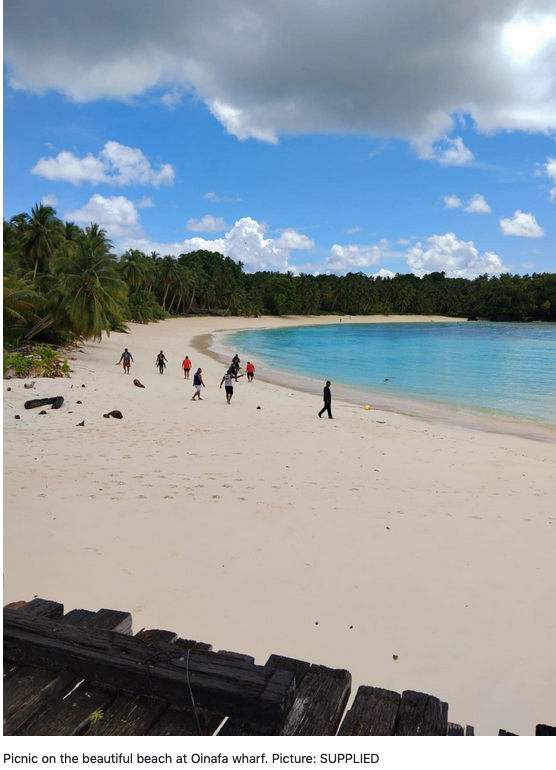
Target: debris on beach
114, 413
80, 424
395, 657
138, 384
28, 385
79, 402
43, 412
56, 402
17, 417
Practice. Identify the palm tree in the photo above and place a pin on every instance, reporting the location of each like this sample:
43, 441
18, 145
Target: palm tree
41, 236
21, 303
168, 273
135, 269
91, 291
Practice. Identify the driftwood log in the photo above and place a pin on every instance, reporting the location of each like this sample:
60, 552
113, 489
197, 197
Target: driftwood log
114, 413
56, 402
138, 384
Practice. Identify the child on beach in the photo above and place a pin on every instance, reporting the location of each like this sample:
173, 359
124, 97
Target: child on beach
161, 362
127, 358
227, 380
198, 384
250, 371
186, 366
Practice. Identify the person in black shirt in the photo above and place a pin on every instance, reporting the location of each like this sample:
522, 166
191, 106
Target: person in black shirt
161, 362
327, 397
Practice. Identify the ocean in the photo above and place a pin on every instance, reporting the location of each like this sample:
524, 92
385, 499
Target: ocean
501, 369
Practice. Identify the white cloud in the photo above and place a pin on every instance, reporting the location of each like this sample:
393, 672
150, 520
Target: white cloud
448, 152
403, 241
115, 165
528, 265
212, 196
521, 225
458, 259
383, 273
146, 202
352, 230
452, 202
346, 258
291, 239
117, 215
477, 205
266, 69
244, 242
49, 200
549, 169
172, 98
207, 224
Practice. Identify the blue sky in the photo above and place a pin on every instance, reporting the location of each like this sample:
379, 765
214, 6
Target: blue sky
333, 174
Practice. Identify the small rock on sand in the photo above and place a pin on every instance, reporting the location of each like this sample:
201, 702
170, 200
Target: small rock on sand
138, 384
17, 417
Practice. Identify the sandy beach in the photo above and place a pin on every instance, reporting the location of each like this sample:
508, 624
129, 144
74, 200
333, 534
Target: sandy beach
344, 543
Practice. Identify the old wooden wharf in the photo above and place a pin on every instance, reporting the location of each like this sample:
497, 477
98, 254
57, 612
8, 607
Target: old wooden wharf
84, 673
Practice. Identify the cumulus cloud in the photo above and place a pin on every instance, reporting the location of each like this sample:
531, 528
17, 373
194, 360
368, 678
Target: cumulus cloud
245, 242
207, 224
266, 69
115, 165
383, 273
346, 258
477, 205
452, 202
49, 200
291, 239
521, 225
117, 215
458, 259
448, 152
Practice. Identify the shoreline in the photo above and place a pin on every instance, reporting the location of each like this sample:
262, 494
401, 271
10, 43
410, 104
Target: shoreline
435, 413
259, 528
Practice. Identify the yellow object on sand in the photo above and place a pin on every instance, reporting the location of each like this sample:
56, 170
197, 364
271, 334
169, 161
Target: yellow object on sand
119, 363
367, 407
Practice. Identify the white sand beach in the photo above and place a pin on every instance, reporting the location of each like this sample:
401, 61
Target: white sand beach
262, 531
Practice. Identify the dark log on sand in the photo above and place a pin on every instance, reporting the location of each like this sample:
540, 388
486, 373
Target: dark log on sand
56, 402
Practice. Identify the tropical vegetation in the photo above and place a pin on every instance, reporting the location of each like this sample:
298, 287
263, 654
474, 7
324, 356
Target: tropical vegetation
63, 282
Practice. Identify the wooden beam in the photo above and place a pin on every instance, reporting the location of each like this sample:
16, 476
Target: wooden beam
505, 732
454, 729
232, 686
470, 730
373, 712
33, 691
35, 607
545, 730
421, 714
319, 702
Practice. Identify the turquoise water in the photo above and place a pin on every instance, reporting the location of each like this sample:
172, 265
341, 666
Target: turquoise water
507, 369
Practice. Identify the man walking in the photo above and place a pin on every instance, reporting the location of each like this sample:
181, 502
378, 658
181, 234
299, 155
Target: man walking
198, 384
127, 358
327, 397
186, 366
161, 362
227, 381
250, 371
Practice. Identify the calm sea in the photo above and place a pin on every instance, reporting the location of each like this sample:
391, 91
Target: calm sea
508, 370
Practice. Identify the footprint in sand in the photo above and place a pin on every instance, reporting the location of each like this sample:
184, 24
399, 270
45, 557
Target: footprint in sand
354, 489
172, 457
141, 497
199, 486
216, 497
138, 477
168, 497
127, 457
41, 495
228, 486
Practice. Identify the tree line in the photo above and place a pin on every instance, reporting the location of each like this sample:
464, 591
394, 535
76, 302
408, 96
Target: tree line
63, 282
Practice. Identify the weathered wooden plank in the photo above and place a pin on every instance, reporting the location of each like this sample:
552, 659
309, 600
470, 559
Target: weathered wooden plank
32, 691
373, 712
470, 730
237, 656
504, 732
240, 689
545, 730
319, 702
454, 729
421, 714
36, 606
134, 714
236, 727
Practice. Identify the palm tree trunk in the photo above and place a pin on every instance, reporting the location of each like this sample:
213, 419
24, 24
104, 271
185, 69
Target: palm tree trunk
191, 303
43, 324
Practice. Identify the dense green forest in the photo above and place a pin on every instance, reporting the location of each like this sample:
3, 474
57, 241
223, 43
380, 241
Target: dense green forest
63, 282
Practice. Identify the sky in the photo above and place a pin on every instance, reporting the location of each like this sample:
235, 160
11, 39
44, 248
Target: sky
320, 136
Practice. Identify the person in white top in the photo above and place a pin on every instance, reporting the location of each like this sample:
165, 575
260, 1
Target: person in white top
227, 381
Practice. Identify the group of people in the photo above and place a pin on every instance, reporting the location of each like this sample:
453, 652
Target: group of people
227, 380
231, 374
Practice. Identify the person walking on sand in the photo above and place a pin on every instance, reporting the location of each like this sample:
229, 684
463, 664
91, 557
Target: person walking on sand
161, 362
250, 371
198, 384
127, 358
186, 366
227, 381
327, 398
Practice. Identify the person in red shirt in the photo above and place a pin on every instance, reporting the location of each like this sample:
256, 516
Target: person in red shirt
186, 366
250, 371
